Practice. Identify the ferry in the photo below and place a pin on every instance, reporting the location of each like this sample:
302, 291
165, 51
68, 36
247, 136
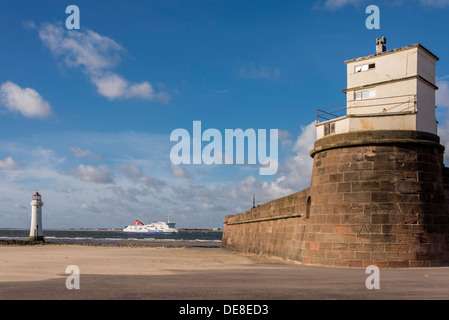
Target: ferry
159, 227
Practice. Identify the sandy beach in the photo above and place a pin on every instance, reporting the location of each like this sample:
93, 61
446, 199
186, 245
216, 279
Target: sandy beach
42, 262
195, 273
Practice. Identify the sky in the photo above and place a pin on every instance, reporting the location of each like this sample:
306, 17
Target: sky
86, 114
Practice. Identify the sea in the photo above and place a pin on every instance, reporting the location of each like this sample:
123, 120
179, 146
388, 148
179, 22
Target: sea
114, 236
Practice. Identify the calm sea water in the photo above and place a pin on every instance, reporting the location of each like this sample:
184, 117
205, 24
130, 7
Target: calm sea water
110, 236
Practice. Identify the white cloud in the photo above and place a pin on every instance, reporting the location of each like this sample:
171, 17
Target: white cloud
233, 196
336, 4
65, 189
90, 208
132, 171
178, 171
9, 164
101, 174
18, 206
305, 141
442, 101
295, 175
285, 137
113, 195
87, 49
96, 55
435, 3
443, 132
29, 24
442, 94
142, 90
27, 101
80, 153
261, 72
113, 86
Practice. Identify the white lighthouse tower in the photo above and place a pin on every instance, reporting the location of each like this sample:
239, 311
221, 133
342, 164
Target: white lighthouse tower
36, 230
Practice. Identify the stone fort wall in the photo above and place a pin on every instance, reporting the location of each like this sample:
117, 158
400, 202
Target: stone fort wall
376, 197
276, 228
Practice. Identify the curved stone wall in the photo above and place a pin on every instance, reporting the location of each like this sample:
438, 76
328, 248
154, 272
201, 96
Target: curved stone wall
376, 198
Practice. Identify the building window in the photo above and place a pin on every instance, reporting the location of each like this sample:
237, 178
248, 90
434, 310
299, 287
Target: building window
364, 67
365, 94
329, 128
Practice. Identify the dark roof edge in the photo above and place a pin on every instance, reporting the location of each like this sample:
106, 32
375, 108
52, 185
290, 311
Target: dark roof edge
393, 51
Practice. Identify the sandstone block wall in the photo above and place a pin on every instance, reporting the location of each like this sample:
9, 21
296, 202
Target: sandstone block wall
275, 228
377, 197
446, 181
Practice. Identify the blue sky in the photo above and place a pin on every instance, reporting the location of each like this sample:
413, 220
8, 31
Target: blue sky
86, 115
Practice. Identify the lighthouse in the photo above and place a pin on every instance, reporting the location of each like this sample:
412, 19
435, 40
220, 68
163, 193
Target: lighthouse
36, 230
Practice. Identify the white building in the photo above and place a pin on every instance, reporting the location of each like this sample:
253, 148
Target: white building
36, 230
389, 90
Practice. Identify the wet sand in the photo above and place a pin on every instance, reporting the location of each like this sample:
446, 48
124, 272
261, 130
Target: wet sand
199, 273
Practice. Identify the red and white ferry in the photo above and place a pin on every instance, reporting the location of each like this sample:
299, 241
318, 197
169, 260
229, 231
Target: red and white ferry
158, 227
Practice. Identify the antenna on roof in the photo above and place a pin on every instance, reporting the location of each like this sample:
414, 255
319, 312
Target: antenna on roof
380, 45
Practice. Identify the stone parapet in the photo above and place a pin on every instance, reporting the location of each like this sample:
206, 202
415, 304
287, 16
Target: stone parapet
273, 229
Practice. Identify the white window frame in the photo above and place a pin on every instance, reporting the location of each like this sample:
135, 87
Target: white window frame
364, 94
364, 67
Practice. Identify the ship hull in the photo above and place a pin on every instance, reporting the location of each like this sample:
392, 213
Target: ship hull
150, 231
160, 227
